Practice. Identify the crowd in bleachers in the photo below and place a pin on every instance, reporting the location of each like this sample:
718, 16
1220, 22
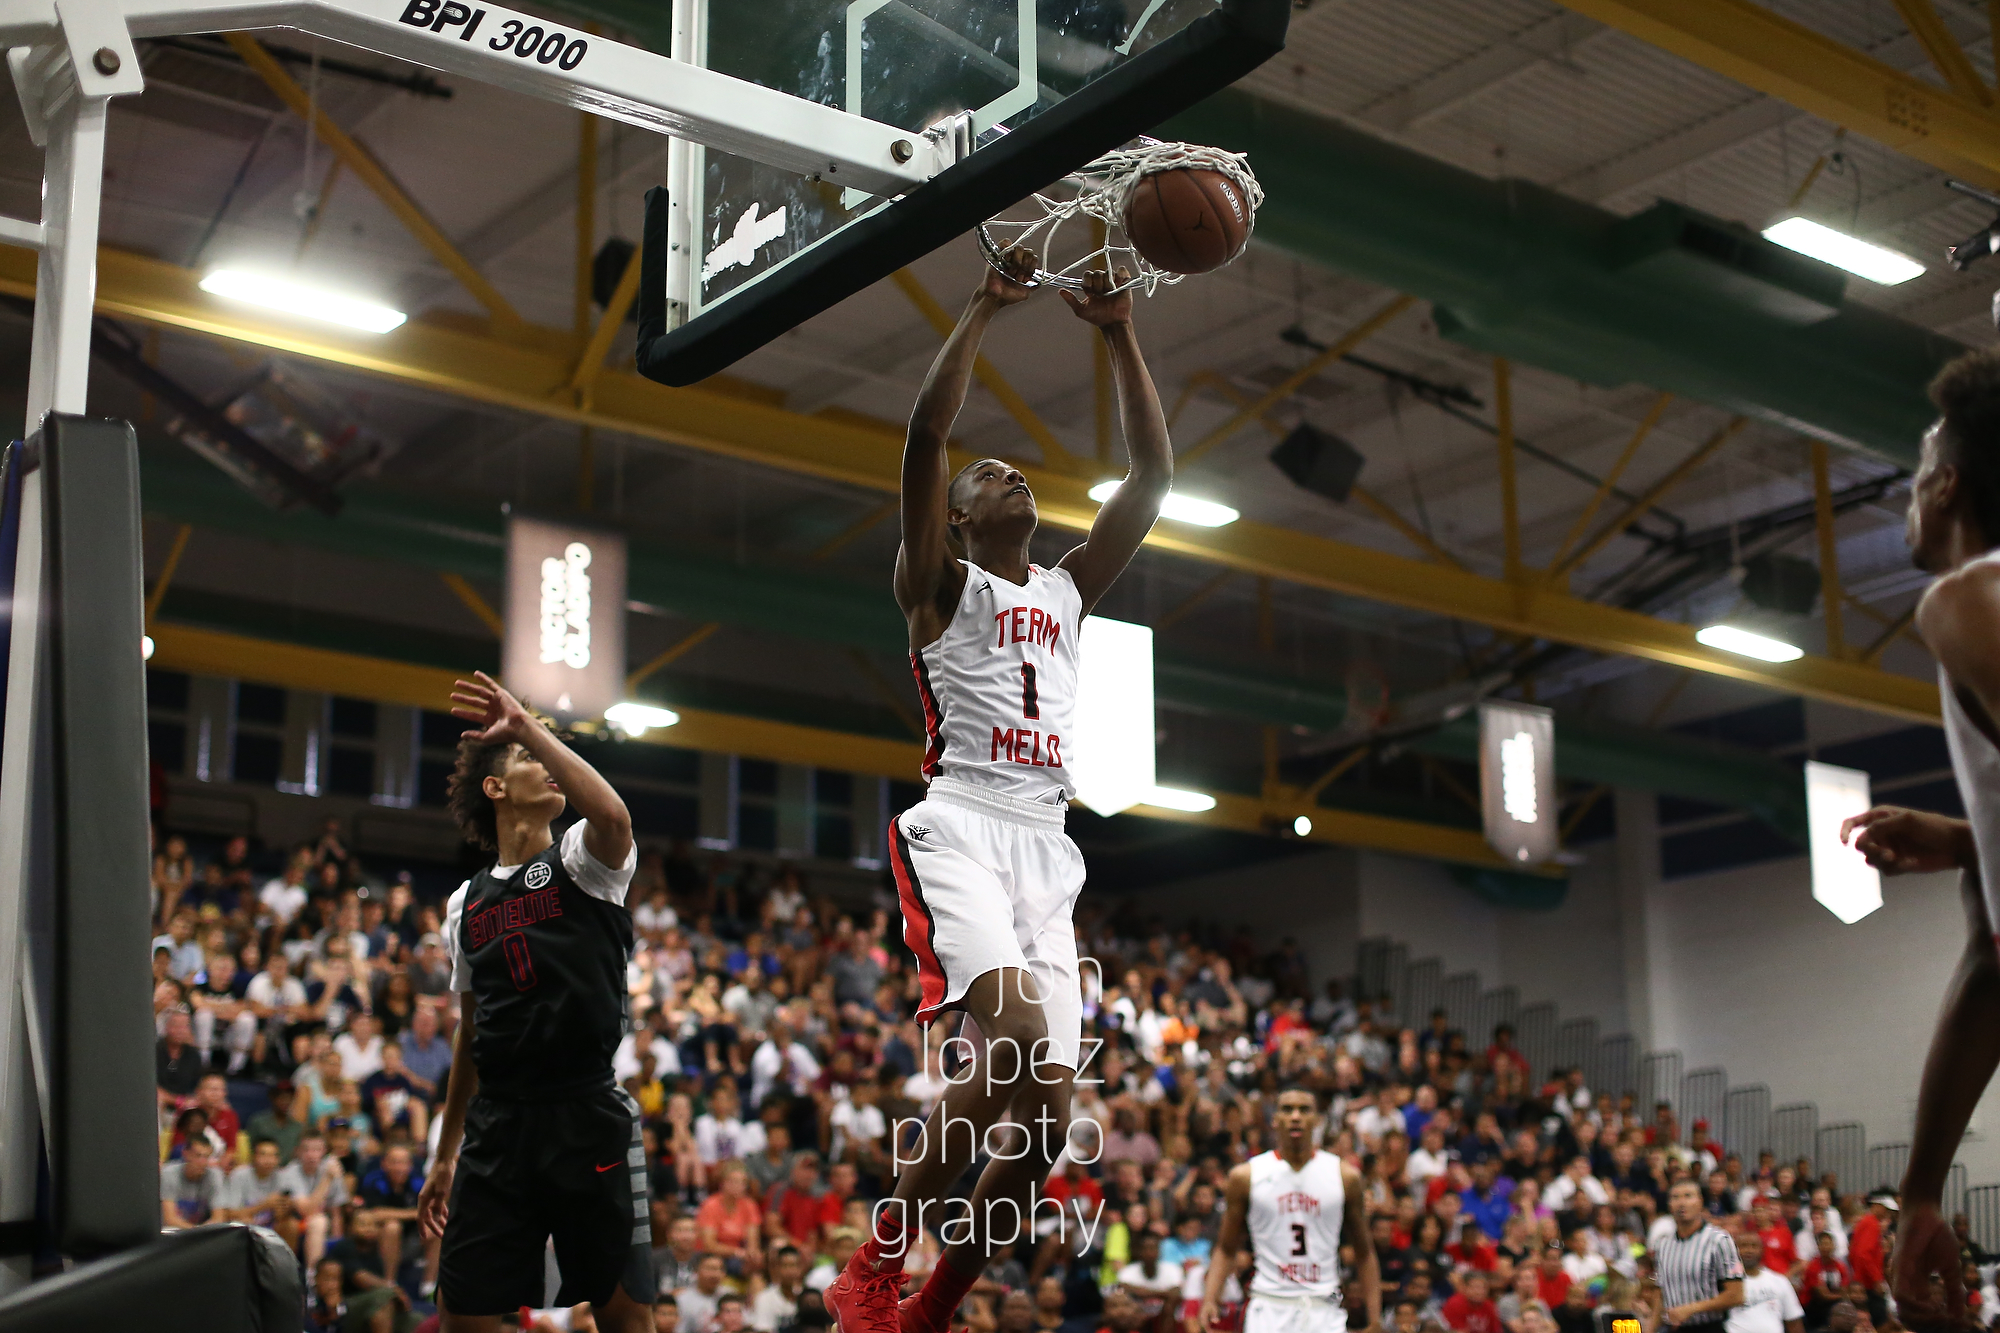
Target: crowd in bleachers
305, 1024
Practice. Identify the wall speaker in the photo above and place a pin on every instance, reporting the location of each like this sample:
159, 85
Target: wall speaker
1320, 461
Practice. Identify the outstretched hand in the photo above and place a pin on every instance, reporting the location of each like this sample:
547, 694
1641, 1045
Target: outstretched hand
1099, 305
496, 716
1900, 842
1007, 285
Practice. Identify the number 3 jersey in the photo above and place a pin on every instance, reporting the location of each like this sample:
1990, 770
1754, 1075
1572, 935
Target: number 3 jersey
999, 685
1295, 1219
541, 948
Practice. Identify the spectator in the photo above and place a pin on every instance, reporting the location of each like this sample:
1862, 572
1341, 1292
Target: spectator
1471, 1308
776, 1306
192, 1190
1127, 1141
176, 1063
1488, 1200
360, 1046
1866, 1248
720, 1135
1770, 1305
212, 1096
730, 1220
674, 1266
797, 1206
855, 973
698, 1301
184, 955
1151, 1281
1823, 1283
276, 1124
254, 1192
426, 1055
318, 1190
783, 1062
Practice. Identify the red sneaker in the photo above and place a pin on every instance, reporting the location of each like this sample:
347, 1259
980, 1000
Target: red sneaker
910, 1315
863, 1298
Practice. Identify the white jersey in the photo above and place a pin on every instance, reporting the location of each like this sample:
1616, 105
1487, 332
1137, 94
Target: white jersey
999, 685
1295, 1219
1975, 762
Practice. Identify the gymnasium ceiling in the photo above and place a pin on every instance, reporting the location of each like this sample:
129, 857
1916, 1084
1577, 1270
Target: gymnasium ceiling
208, 167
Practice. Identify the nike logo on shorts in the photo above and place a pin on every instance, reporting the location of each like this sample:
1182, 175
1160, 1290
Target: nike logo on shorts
608, 1166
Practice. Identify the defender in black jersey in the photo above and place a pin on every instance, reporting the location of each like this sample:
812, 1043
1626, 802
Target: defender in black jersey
538, 942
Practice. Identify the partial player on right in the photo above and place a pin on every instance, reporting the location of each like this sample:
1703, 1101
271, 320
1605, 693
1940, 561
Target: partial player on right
1954, 532
1299, 1205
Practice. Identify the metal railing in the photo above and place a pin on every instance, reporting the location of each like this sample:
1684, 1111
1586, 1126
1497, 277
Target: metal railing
1741, 1119
1746, 1123
1704, 1094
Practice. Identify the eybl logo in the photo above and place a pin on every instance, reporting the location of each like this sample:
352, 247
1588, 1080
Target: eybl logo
537, 875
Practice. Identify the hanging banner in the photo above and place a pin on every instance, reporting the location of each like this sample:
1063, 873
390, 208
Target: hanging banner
1517, 780
1842, 880
565, 647
1111, 758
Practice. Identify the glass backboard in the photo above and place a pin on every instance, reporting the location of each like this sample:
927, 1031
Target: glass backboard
1045, 84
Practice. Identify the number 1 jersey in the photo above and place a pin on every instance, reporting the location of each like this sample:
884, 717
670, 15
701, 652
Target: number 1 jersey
540, 948
999, 685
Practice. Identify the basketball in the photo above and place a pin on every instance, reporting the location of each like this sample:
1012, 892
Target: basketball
1187, 219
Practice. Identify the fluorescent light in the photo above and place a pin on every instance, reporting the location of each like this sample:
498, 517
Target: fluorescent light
1173, 798
297, 299
636, 719
1733, 640
1842, 880
146, 652
1111, 759
1843, 251
1180, 508
1303, 826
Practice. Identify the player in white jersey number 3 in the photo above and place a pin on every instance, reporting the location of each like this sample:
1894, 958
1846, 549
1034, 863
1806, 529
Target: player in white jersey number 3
1301, 1205
986, 875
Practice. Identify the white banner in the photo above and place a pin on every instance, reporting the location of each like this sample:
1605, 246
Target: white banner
565, 646
1517, 780
1112, 756
1843, 881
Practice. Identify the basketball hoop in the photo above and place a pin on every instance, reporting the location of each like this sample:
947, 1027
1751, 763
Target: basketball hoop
1103, 190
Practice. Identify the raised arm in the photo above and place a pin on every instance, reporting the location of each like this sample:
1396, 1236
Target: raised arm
928, 579
499, 716
1228, 1243
1126, 518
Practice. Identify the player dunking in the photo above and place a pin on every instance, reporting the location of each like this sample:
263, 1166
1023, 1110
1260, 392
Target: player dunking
537, 944
1954, 532
1301, 1205
987, 876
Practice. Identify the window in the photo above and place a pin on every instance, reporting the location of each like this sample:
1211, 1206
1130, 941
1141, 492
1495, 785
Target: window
757, 805
833, 815
258, 753
437, 754
167, 694
351, 717
350, 771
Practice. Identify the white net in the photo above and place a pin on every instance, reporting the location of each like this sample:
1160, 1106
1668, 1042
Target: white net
1103, 189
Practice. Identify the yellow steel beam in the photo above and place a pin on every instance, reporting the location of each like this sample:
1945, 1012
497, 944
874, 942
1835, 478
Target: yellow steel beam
591, 364
1055, 453
1652, 495
1943, 49
1772, 54
1284, 388
476, 604
1900, 625
293, 666
167, 568
1610, 482
1179, 610
375, 176
524, 373
693, 640
1829, 552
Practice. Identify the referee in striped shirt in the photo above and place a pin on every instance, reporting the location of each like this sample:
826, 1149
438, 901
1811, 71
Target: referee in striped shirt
1700, 1274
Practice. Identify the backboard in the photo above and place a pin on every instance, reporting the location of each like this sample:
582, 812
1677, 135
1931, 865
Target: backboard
1019, 92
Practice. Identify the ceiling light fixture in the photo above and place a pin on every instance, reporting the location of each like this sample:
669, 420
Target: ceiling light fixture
1180, 508
1741, 641
1843, 251
637, 719
1174, 798
1303, 826
294, 298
